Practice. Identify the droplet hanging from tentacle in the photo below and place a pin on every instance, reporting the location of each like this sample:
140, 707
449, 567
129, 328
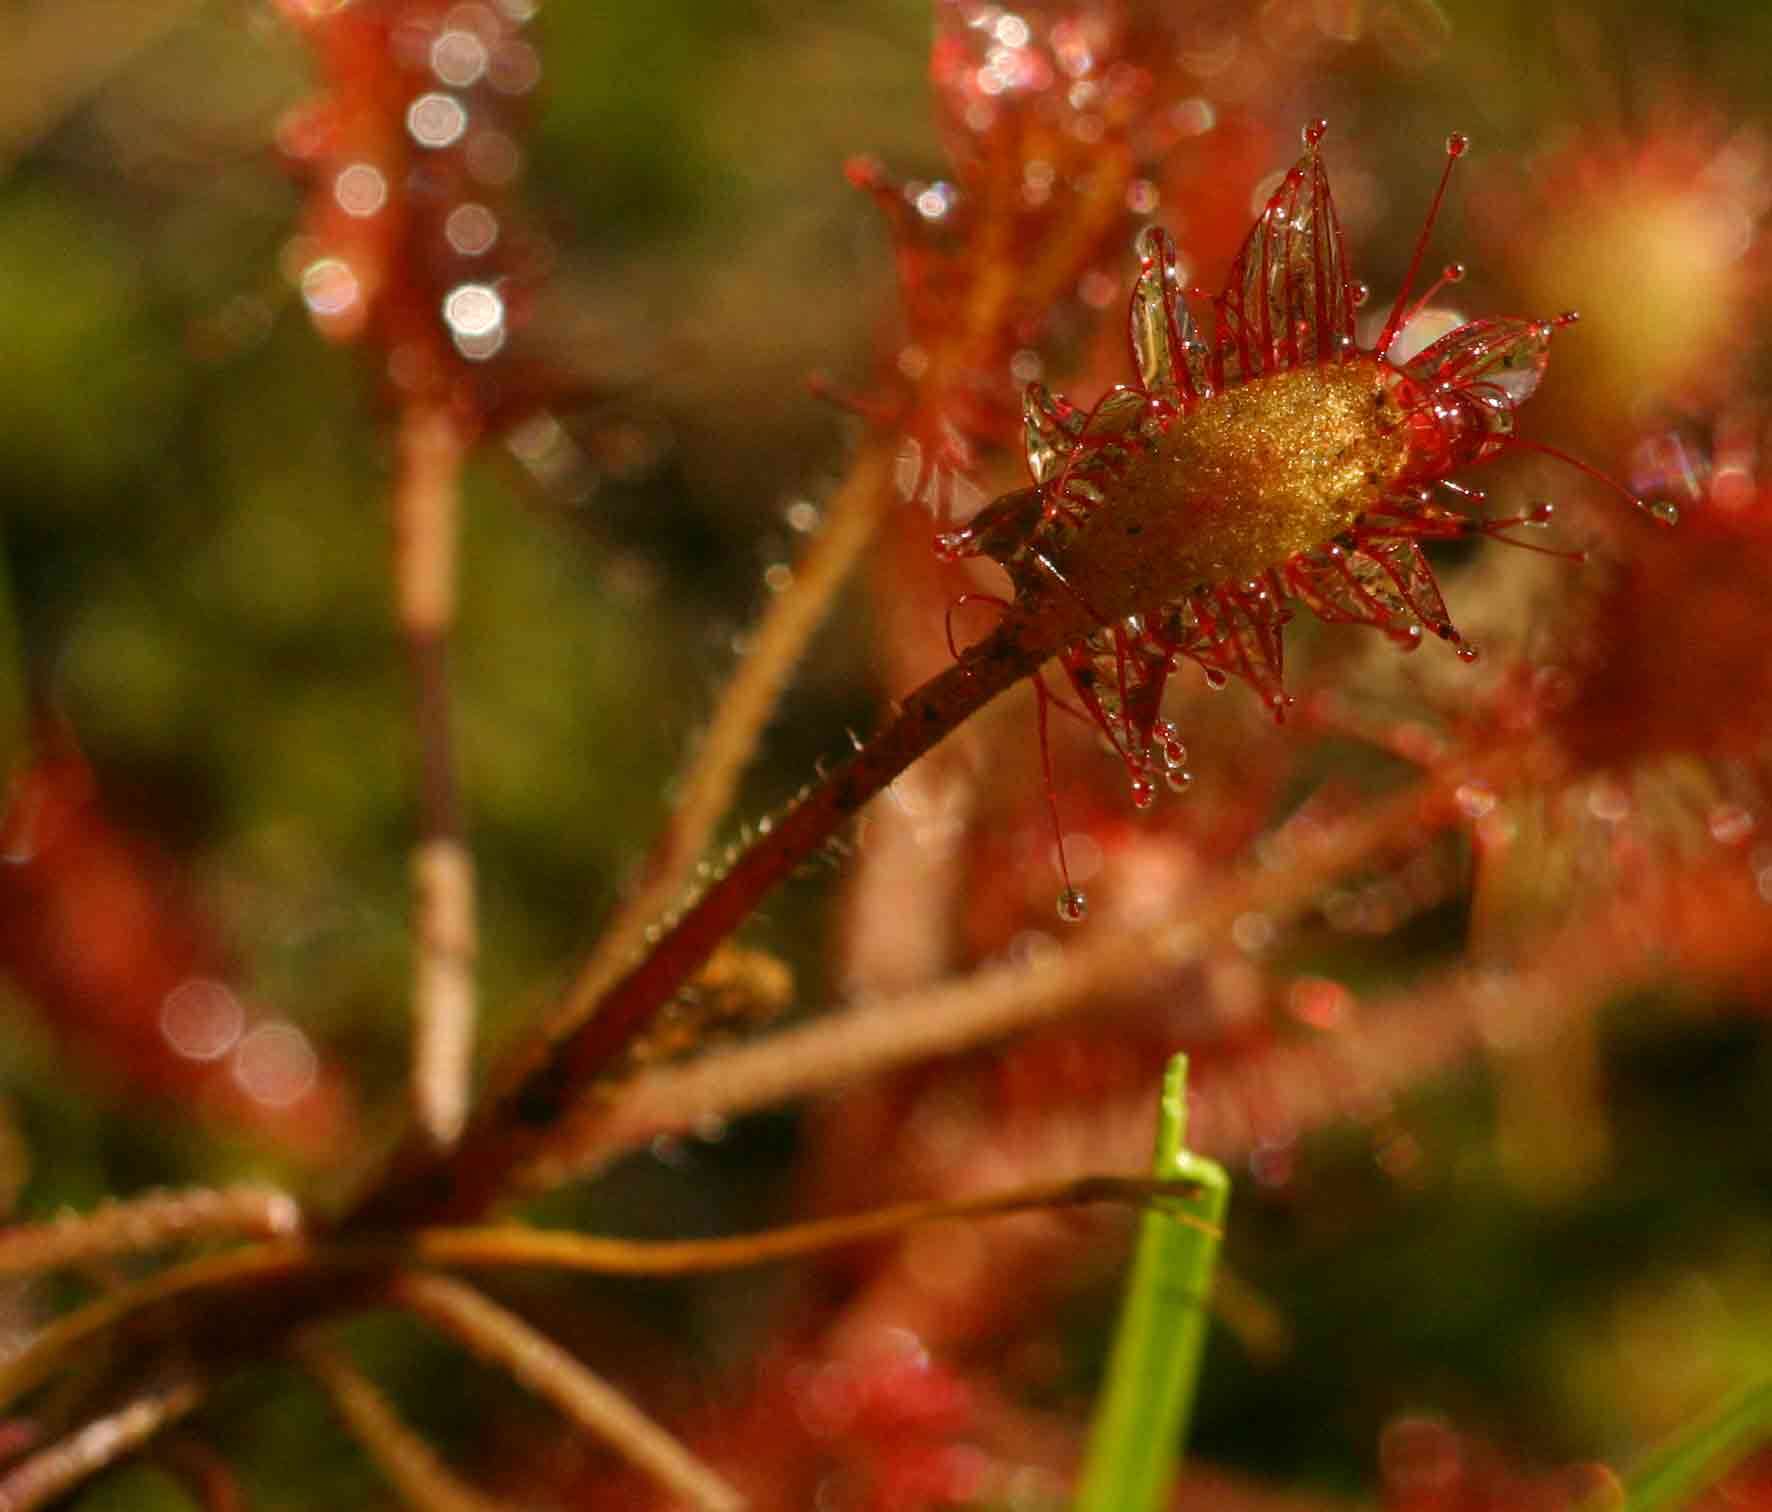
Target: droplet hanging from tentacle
1266, 462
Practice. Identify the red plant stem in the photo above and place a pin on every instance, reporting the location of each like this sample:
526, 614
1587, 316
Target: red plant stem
540, 1085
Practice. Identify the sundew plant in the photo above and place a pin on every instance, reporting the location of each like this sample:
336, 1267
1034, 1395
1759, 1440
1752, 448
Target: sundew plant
673, 678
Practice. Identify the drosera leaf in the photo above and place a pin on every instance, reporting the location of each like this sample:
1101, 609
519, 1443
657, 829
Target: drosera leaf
1141, 1420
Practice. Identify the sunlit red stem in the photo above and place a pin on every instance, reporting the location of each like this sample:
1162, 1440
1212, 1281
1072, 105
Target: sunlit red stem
534, 1092
705, 790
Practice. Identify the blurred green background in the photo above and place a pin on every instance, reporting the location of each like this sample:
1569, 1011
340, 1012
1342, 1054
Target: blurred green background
194, 546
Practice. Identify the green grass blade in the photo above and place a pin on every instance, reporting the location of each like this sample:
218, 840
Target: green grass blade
1142, 1418
1701, 1453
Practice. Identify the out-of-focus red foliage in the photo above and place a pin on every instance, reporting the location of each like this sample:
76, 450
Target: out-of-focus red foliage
1056, 114
410, 155
894, 1432
897, 1431
1427, 1465
1672, 653
1655, 230
97, 937
1748, 1488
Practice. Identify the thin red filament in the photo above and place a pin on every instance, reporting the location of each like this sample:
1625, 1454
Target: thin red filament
1455, 148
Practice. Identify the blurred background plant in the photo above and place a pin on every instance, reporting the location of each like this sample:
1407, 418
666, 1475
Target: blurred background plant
1472, 962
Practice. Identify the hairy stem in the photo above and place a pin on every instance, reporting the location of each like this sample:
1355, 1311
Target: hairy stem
51, 1473
705, 791
540, 1085
998, 1000
148, 1222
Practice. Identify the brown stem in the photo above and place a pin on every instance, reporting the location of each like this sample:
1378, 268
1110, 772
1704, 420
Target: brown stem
426, 504
424, 1482
501, 1338
538, 1087
51, 1473
145, 1223
517, 1245
224, 1307
838, 1048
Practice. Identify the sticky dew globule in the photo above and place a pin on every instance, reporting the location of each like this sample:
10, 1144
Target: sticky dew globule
1262, 459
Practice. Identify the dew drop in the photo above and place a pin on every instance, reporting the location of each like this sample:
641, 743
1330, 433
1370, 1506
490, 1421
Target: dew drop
329, 287
202, 1020
458, 58
1541, 513
1457, 144
514, 69
1475, 800
475, 315
471, 229
1073, 907
1144, 791
1467, 652
1730, 823
1315, 132
1216, 679
275, 1065
436, 120
1664, 512
1360, 291
361, 190
1180, 780
1454, 272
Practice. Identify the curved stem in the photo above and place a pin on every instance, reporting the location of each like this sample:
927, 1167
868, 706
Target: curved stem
537, 1087
840, 1047
424, 1482
212, 1276
517, 1245
746, 704
51, 1473
148, 1222
268, 1290
502, 1339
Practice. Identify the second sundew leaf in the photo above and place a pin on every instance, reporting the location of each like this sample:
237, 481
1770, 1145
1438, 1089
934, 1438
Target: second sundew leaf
1277, 461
